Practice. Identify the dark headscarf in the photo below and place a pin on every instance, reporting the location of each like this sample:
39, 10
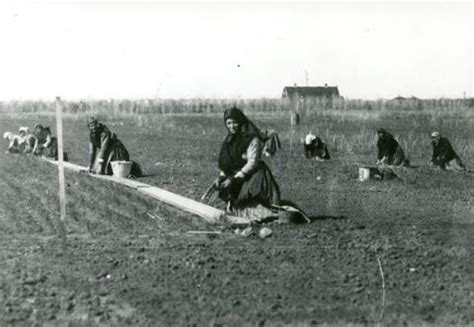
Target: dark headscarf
91, 120
235, 145
235, 114
384, 133
95, 135
246, 125
38, 126
386, 144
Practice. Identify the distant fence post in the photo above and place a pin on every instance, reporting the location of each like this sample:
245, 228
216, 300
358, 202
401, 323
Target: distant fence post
294, 122
294, 118
62, 190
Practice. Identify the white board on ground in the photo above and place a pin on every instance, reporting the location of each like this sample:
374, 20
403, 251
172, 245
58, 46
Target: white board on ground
210, 214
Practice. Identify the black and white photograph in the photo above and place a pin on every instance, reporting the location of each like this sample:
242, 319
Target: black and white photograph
236, 163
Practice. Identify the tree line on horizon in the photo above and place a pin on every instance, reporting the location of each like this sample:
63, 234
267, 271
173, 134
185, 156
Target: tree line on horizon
182, 106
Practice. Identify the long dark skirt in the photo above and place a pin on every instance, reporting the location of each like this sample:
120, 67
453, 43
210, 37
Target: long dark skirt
258, 188
398, 158
320, 152
115, 152
455, 164
51, 151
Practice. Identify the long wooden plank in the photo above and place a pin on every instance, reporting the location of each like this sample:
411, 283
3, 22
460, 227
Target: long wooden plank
69, 165
124, 181
210, 214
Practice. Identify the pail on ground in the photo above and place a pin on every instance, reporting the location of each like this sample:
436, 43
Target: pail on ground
364, 174
121, 168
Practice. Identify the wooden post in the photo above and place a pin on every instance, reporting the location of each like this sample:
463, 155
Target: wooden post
292, 136
294, 118
62, 189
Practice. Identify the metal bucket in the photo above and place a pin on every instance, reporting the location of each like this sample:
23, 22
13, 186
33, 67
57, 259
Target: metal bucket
364, 174
121, 168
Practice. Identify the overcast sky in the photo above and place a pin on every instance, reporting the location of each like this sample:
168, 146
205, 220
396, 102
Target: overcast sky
247, 50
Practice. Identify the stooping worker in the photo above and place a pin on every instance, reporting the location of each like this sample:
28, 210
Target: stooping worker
22, 143
314, 147
245, 182
14, 142
389, 151
271, 142
104, 147
29, 139
444, 156
45, 144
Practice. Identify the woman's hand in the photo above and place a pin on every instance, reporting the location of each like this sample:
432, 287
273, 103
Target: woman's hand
382, 161
240, 174
226, 183
217, 182
97, 169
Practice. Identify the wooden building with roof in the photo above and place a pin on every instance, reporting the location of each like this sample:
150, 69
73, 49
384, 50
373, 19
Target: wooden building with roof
303, 93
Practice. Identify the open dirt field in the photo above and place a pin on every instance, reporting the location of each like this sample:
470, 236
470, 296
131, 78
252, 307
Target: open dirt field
130, 260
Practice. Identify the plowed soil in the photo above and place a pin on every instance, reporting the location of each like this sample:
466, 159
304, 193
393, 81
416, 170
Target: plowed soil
130, 260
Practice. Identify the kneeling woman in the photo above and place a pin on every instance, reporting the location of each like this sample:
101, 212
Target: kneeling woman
105, 147
45, 144
245, 182
389, 150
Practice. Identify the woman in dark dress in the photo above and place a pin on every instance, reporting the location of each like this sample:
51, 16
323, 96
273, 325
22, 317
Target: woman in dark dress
104, 147
45, 144
245, 182
314, 147
389, 151
444, 155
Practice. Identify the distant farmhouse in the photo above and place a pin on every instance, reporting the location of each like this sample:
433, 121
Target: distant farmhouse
303, 93
400, 98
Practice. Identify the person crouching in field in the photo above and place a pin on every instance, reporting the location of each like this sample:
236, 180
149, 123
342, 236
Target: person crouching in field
22, 143
389, 151
45, 144
14, 142
314, 147
245, 182
444, 156
29, 139
272, 142
105, 147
